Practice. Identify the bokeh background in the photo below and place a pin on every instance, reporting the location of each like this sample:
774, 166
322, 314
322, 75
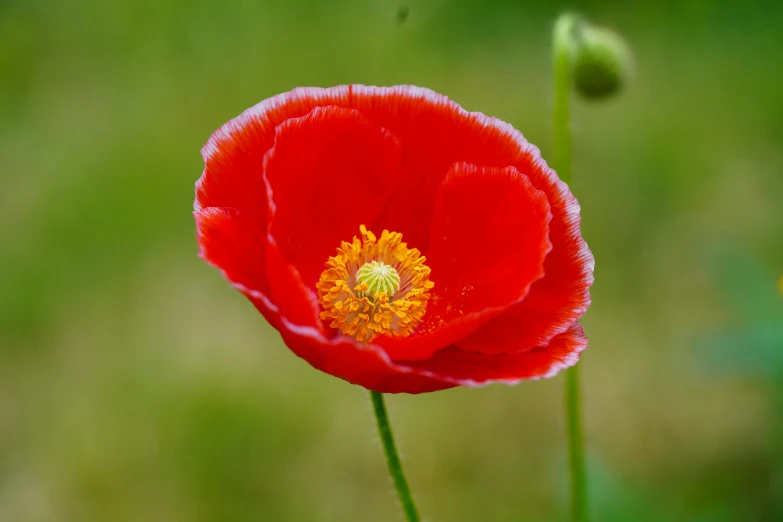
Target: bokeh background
137, 385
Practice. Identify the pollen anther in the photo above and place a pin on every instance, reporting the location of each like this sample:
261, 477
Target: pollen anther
375, 286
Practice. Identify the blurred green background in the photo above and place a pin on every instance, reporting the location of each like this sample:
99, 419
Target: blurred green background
137, 385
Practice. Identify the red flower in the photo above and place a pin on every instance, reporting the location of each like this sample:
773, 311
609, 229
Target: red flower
395, 240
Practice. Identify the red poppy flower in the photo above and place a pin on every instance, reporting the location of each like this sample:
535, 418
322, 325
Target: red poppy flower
395, 240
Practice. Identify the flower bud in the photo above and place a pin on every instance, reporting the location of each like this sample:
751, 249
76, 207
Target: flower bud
601, 62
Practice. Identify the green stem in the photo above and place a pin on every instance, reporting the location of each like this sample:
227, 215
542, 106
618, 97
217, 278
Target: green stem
576, 458
393, 459
562, 52
563, 48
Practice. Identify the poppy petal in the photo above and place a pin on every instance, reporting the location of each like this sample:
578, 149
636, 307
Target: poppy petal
478, 369
555, 301
328, 173
488, 242
363, 365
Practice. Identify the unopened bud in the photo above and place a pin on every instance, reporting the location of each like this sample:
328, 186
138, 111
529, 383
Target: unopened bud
601, 62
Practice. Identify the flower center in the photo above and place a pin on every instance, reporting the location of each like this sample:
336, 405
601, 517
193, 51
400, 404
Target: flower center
375, 286
379, 277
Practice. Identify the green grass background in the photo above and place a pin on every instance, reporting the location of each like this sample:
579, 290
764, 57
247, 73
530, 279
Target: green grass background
137, 385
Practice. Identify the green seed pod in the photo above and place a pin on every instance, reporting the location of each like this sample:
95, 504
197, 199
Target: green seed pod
601, 61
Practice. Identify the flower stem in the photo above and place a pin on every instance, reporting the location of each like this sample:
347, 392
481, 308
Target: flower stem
576, 458
562, 53
563, 49
393, 459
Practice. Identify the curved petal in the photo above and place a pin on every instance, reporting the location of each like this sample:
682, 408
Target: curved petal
554, 302
328, 173
488, 242
478, 369
363, 365
234, 154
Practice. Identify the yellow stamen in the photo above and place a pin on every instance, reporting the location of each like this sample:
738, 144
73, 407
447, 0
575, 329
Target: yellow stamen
375, 287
